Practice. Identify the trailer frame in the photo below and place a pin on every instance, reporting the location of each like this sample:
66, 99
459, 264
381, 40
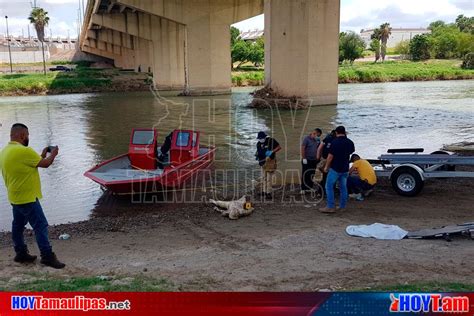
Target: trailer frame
408, 168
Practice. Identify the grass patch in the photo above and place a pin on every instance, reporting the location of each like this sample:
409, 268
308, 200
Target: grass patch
426, 287
365, 72
90, 284
82, 79
248, 78
403, 71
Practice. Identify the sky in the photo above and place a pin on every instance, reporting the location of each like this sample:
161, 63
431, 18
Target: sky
355, 14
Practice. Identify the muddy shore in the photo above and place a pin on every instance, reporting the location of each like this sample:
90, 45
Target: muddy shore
286, 245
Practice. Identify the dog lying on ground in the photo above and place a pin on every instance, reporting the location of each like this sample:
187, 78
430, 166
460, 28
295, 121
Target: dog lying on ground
233, 209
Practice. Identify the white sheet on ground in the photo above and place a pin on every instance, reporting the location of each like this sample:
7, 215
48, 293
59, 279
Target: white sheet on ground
377, 231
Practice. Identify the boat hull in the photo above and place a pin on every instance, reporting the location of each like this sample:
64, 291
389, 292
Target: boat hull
171, 178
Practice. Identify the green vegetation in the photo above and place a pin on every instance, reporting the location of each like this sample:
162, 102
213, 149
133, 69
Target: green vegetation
40, 19
248, 78
246, 51
404, 71
95, 284
419, 48
79, 80
402, 48
454, 40
365, 72
351, 47
468, 61
425, 287
446, 41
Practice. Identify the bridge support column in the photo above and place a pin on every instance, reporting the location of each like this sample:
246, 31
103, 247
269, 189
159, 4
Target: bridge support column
168, 54
208, 61
301, 48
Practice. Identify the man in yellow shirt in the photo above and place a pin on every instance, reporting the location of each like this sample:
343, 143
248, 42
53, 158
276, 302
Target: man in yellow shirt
363, 183
19, 166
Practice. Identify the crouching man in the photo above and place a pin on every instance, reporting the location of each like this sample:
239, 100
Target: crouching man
362, 178
19, 165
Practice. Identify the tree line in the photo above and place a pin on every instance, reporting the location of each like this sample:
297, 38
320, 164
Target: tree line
453, 40
243, 52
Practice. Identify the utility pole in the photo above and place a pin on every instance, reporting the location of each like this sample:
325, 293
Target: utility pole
9, 48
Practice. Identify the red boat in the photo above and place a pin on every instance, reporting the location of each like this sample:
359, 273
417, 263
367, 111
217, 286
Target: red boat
150, 167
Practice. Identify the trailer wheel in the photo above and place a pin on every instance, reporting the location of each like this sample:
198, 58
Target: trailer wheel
407, 181
445, 167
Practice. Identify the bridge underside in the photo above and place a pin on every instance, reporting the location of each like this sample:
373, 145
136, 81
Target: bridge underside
186, 43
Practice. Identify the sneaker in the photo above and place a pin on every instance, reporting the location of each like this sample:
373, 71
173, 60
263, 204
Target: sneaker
327, 210
368, 193
24, 257
52, 261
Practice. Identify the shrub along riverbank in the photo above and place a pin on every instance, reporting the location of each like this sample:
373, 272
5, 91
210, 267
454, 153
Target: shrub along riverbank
82, 79
390, 71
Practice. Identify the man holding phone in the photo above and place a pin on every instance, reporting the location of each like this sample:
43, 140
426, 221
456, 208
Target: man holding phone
19, 166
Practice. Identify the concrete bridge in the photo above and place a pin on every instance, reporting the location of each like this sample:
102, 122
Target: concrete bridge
186, 43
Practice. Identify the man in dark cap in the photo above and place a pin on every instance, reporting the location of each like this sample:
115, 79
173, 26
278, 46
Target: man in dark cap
267, 148
337, 168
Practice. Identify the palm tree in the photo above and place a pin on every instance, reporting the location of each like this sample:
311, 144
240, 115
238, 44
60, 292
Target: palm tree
385, 32
375, 44
40, 19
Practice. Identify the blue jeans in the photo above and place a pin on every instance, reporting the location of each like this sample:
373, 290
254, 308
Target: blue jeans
30, 213
332, 178
357, 185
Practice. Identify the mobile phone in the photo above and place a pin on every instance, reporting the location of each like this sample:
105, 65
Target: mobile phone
50, 148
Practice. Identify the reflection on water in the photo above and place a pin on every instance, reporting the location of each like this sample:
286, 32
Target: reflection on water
90, 128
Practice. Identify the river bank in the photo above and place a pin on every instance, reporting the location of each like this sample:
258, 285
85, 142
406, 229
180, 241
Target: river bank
84, 80
285, 245
369, 72
80, 80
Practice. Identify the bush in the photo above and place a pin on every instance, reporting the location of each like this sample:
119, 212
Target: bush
468, 61
351, 47
420, 47
402, 48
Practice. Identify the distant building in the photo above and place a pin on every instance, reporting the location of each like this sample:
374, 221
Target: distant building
398, 35
28, 49
252, 35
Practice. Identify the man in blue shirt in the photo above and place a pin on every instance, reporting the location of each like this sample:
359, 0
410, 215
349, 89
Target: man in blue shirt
309, 153
337, 167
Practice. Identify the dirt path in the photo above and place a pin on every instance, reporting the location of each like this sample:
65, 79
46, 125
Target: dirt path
283, 246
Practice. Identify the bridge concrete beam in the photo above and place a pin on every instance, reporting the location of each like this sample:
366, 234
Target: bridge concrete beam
158, 44
185, 12
125, 60
302, 48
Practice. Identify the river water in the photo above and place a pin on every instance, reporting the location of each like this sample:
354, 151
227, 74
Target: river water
90, 128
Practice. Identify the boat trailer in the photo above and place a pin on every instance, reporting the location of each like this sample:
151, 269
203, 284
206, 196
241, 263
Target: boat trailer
408, 168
